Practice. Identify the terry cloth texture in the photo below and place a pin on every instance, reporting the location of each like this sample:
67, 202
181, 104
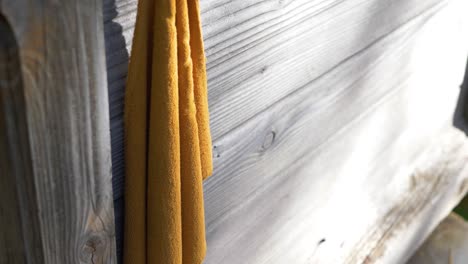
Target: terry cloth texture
167, 137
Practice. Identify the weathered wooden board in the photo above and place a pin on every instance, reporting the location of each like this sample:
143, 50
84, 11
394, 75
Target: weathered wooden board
320, 111
55, 141
304, 39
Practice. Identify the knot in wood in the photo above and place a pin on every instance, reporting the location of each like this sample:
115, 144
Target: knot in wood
269, 140
92, 247
282, 3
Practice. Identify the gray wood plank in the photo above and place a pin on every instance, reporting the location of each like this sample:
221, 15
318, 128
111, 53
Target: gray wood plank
307, 120
352, 133
65, 110
280, 46
300, 218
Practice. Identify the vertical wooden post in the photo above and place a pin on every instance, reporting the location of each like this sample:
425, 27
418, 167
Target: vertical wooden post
55, 165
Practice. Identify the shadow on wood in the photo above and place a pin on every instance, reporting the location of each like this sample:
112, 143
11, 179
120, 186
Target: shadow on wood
461, 112
116, 64
20, 241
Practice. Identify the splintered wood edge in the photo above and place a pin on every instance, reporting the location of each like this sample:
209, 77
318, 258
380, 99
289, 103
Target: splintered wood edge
436, 184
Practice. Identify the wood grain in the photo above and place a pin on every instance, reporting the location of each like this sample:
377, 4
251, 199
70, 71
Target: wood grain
281, 46
308, 120
64, 123
336, 149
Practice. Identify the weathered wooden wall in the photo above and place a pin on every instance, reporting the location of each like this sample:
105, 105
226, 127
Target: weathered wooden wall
55, 163
320, 113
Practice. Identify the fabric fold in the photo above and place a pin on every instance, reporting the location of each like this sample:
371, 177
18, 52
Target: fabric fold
167, 138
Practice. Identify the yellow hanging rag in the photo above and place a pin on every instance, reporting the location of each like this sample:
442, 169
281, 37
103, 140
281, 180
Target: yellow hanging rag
167, 137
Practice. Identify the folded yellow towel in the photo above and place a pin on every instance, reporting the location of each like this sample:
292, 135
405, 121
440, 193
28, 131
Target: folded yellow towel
167, 138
